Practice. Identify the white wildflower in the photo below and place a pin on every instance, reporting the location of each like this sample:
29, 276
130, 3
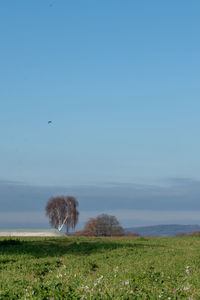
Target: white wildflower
187, 272
100, 278
126, 282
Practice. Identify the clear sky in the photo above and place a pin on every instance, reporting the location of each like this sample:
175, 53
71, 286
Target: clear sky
120, 82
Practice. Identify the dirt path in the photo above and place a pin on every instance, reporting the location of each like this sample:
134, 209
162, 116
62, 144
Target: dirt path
15, 233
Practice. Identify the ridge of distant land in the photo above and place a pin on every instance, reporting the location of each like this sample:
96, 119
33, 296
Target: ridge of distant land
163, 230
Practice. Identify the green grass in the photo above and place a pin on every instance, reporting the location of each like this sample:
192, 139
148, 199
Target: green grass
95, 268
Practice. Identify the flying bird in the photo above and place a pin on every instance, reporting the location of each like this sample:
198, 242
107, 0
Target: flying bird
49, 122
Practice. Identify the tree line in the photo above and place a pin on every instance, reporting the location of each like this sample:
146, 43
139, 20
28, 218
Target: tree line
63, 211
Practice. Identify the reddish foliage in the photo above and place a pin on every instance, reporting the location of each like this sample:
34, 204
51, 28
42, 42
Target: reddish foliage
195, 233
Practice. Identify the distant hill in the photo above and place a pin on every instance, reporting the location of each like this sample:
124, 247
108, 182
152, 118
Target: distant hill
163, 230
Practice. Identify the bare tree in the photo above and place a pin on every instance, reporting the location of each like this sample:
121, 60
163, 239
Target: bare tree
108, 226
62, 210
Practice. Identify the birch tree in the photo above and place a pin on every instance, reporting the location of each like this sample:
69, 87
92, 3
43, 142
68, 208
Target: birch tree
62, 211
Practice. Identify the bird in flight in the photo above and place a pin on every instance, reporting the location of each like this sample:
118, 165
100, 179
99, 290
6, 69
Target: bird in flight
49, 122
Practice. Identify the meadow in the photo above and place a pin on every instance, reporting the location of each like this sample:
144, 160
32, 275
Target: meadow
99, 268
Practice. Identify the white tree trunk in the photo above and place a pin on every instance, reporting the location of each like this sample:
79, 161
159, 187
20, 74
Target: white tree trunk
60, 227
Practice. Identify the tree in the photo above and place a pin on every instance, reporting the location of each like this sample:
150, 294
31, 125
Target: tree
90, 228
62, 210
103, 225
108, 226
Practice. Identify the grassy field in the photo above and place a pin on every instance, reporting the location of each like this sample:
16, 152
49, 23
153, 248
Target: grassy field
95, 268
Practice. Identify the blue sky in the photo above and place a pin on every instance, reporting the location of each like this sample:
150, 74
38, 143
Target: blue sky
120, 82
